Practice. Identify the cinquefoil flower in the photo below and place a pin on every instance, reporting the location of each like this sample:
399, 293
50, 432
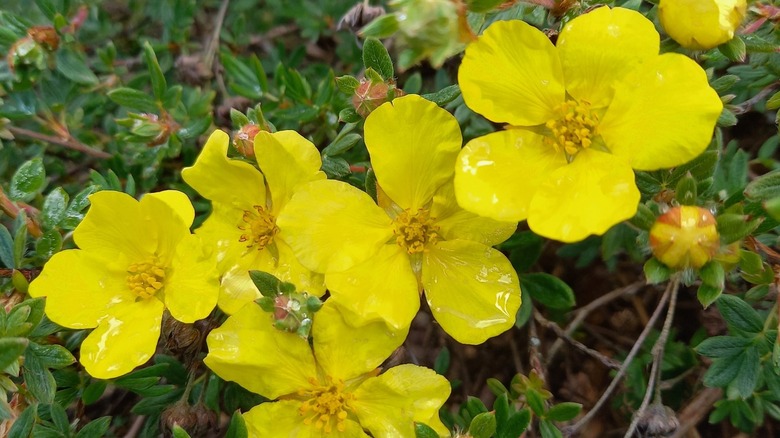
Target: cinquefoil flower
245, 205
701, 24
329, 389
136, 259
378, 258
582, 114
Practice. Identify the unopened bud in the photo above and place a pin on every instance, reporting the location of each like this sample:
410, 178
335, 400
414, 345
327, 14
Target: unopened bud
369, 96
197, 420
685, 237
701, 24
46, 36
244, 140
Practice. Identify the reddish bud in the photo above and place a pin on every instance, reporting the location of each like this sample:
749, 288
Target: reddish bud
46, 36
369, 96
244, 141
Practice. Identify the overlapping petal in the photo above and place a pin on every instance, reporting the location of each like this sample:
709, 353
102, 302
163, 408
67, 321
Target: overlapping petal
248, 350
80, 288
410, 164
389, 404
124, 339
281, 419
332, 226
167, 212
192, 283
588, 196
599, 48
512, 74
472, 290
498, 174
663, 114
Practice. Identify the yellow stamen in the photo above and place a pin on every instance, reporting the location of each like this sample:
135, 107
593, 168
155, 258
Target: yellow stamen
325, 405
146, 278
575, 129
414, 231
260, 227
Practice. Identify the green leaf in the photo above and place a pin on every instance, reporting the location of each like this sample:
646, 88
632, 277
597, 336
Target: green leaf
95, 428
444, 96
342, 144
482, 6
347, 84
349, 115
424, 431
48, 244
564, 411
194, 128
745, 382
178, 432
548, 290
754, 269
764, 187
54, 206
644, 218
382, 27
735, 49
38, 378
685, 193
525, 310
413, 83
237, 427
548, 430
159, 86
483, 425
335, 167
739, 314
22, 427
6, 248
27, 181
133, 99
712, 274
52, 356
723, 346
733, 226
11, 349
93, 391
375, 56
59, 418
73, 66
496, 387
517, 424
442, 362
707, 294
773, 102
266, 283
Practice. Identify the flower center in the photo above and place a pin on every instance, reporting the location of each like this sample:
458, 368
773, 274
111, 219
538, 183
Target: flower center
259, 227
414, 231
574, 129
326, 405
146, 278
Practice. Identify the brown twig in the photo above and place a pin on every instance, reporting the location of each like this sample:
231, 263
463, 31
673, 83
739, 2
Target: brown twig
606, 361
69, 143
747, 105
10, 208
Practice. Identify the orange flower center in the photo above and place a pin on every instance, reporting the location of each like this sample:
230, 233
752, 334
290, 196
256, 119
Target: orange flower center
414, 231
146, 278
574, 129
259, 228
326, 405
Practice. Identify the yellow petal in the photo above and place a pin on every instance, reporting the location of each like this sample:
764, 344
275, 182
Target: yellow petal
116, 225
413, 144
332, 226
486, 174
701, 24
471, 289
170, 224
347, 349
663, 114
217, 178
178, 202
79, 289
192, 282
383, 288
599, 48
248, 350
282, 419
512, 74
457, 223
124, 340
287, 160
389, 404
588, 196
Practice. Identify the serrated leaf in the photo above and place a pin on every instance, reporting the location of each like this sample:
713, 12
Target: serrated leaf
548, 290
375, 56
73, 66
159, 85
723, 346
739, 314
27, 181
133, 99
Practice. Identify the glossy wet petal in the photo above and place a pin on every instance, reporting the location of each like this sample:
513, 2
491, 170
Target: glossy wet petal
588, 196
512, 74
192, 282
486, 174
347, 349
332, 226
115, 224
282, 419
472, 290
124, 340
79, 288
413, 144
389, 404
382, 288
169, 222
663, 114
248, 350
217, 178
599, 48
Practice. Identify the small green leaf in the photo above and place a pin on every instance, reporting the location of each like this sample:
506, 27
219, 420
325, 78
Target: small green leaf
733, 226
73, 66
773, 102
644, 217
52, 356
237, 427
95, 429
444, 96
442, 362
375, 56
548, 430
482, 6
335, 167
564, 411
27, 181
93, 391
707, 294
656, 272
266, 283
38, 378
11, 349
685, 193
483, 425
496, 387
424, 431
54, 206
347, 84
535, 402
6, 248
382, 27
48, 244
178, 432
745, 382
342, 144
723, 346
764, 187
22, 427
712, 274
159, 86
739, 314
349, 115
525, 310
517, 424
735, 49
133, 99
548, 290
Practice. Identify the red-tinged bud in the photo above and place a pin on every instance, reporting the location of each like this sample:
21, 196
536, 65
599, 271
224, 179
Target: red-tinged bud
46, 36
244, 140
369, 96
685, 237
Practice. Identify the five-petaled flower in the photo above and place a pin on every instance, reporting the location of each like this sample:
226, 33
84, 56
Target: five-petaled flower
242, 224
136, 259
378, 258
581, 115
333, 387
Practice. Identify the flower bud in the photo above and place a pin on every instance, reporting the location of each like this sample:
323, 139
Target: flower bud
428, 29
685, 237
244, 140
46, 36
701, 24
370, 95
198, 420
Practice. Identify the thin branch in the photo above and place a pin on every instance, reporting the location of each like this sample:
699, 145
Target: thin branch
747, 105
606, 361
69, 143
211, 48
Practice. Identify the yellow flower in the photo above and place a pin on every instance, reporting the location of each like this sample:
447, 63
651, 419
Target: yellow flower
136, 259
242, 224
701, 24
377, 258
330, 389
685, 237
582, 115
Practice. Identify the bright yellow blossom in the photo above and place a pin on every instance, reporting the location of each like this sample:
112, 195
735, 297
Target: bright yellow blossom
242, 224
377, 258
685, 237
330, 389
582, 114
136, 259
701, 24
